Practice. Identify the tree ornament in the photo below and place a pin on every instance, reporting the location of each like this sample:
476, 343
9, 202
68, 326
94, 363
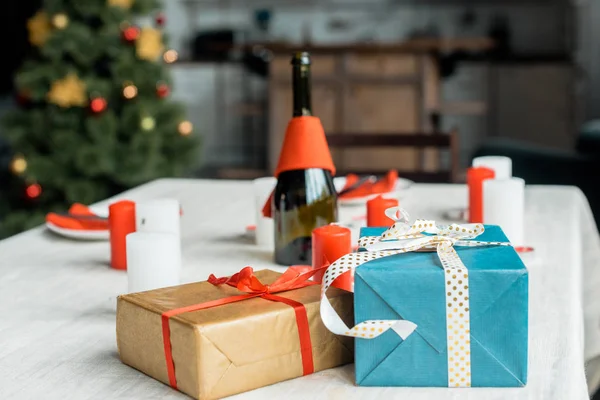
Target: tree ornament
98, 105
149, 45
126, 4
170, 56
160, 19
130, 91
131, 33
148, 123
60, 21
68, 92
162, 90
39, 28
18, 165
33, 191
185, 128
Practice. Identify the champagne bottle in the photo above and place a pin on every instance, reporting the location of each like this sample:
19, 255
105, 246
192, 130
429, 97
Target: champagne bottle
304, 199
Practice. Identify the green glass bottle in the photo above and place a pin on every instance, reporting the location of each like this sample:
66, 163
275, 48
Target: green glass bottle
304, 199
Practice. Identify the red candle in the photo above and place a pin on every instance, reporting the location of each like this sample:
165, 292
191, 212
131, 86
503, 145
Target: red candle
121, 222
376, 211
475, 178
329, 243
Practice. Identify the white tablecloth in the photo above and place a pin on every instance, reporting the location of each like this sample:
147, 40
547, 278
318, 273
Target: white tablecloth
57, 320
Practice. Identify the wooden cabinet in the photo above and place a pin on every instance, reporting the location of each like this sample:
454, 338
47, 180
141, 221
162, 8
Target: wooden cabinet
380, 108
371, 89
358, 93
381, 65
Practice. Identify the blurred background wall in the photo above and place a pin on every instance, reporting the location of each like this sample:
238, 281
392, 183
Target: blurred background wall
551, 50
545, 72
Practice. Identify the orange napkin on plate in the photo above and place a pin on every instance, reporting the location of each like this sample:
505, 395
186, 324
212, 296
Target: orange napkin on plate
79, 217
381, 186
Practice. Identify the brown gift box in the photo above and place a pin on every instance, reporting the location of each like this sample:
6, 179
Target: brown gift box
230, 348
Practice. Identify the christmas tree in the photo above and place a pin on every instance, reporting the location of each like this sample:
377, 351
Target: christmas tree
94, 115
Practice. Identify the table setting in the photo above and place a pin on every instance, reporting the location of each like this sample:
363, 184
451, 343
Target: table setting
77, 275
307, 285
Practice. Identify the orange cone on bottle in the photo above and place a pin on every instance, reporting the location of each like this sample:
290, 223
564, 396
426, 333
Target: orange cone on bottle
305, 146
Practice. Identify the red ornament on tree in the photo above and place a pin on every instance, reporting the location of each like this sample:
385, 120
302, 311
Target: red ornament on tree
33, 191
160, 19
98, 105
162, 90
131, 33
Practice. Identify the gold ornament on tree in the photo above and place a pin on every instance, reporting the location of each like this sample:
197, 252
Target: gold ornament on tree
170, 56
130, 91
60, 21
68, 92
18, 165
39, 28
185, 128
126, 4
148, 123
149, 45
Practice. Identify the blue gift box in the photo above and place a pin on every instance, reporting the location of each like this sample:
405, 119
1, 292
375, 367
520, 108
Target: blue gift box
411, 286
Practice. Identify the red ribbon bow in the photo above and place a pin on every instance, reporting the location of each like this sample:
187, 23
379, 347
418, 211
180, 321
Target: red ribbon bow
295, 277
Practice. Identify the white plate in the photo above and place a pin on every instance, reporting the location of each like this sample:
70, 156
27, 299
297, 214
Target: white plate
402, 186
78, 234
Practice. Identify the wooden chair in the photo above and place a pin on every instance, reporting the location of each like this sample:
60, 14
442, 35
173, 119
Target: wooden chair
418, 141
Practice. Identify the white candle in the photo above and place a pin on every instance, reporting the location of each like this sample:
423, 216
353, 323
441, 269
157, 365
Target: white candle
265, 231
504, 205
502, 166
159, 215
153, 261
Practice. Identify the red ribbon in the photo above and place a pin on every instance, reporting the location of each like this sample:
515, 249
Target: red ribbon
295, 277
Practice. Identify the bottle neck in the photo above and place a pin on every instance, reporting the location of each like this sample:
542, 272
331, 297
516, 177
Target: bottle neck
301, 90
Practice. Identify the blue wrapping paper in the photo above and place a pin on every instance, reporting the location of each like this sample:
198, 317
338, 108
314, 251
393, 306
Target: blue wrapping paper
411, 286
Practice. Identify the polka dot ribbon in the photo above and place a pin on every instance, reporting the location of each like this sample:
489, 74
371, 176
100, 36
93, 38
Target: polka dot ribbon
403, 237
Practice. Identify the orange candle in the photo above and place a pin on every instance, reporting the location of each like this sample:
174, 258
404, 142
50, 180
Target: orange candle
121, 222
376, 211
329, 243
475, 178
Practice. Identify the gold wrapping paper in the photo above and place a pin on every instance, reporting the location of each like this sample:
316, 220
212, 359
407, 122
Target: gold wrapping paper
231, 348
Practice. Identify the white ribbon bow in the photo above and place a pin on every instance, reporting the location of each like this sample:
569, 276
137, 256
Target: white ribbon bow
402, 237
